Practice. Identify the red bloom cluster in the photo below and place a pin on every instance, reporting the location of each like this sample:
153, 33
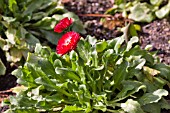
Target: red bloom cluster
67, 42
63, 24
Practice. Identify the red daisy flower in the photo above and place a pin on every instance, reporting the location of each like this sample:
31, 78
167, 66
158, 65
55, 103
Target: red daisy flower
67, 42
63, 24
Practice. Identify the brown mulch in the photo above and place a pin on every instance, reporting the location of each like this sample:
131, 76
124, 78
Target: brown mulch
157, 34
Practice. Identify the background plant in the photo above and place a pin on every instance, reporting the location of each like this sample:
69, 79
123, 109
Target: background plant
99, 76
24, 23
141, 10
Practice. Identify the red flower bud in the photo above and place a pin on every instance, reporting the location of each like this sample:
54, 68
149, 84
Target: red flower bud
63, 24
67, 42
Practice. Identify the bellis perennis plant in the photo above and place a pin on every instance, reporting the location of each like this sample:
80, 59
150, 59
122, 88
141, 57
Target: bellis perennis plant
98, 77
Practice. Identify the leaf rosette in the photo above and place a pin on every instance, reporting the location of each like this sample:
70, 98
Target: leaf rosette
98, 76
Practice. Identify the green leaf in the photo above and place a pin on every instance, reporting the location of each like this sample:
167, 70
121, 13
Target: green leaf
137, 27
38, 15
136, 51
38, 48
71, 109
26, 111
22, 111
57, 63
131, 106
32, 6
156, 2
160, 92
150, 72
94, 57
44, 63
51, 36
118, 2
12, 5
31, 39
120, 74
92, 40
46, 23
164, 70
141, 12
84, 50
26, 78
141, 62
21, 32
152, 97
21, 100
164, 104
78, 27
2, 5
10, 33
2, 68
57, 98
133, 30
112, 43
16, 54
68, 74
101, 46
56, 9
129, 88
50, 86
8, 19
71, 15
19, 89
100, 106
107, 54
57, 17
164, 11
152, 108
118, 44
133, 40
73, 56
2, 43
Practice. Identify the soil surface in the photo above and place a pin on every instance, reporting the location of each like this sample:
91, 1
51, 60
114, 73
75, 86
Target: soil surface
156, 33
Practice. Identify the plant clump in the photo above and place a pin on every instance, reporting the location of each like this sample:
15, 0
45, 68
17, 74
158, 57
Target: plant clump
98, 76
141, 10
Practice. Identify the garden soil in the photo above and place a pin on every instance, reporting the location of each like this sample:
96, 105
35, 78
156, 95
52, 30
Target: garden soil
156, 34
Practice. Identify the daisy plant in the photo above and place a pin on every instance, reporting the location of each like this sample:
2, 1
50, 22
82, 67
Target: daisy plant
86, 75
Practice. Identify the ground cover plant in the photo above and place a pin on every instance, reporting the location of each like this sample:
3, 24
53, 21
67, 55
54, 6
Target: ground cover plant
25, 23
141, 10
90, 75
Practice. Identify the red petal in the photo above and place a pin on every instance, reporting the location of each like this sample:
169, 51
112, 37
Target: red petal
67, 42
63, 24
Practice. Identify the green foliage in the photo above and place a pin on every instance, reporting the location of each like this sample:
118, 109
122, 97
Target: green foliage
108, 76
24, 23
141, 11
2, 68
